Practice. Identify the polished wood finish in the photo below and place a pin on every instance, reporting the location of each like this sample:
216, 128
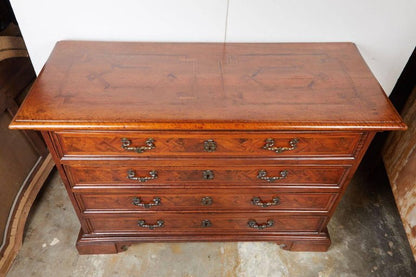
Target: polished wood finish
121, 85
182, 223
192, 143
294, 242
117, 174
102, 199
206, 106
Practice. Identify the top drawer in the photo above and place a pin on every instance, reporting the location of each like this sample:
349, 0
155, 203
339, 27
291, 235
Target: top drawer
208, 144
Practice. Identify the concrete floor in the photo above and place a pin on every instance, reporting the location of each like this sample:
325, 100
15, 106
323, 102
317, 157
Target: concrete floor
367, 240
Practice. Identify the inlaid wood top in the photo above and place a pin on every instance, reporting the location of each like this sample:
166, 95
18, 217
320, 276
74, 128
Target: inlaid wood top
283, 86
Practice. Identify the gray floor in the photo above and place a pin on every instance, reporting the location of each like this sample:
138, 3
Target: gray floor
367, 235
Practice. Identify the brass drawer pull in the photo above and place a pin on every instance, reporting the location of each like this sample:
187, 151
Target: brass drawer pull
137, 201
257, 202
125, 144
253, 224
210, 145
270, 145
131, 175
208, 175
206, 223
262, 174
159, 224
206, 201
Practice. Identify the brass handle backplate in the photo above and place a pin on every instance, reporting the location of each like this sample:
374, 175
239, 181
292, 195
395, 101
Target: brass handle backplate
125, 144
131, 175
258, 202
137, 201
262, 174
269, 145
210, 145
159, 224
253, 224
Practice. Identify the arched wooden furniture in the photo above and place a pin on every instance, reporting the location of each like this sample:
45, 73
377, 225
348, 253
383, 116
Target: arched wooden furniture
24, 159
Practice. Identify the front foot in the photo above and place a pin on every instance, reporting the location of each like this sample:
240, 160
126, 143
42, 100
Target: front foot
318, 243
87, 246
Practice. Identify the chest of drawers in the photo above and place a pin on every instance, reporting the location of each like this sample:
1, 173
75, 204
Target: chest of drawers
206, 141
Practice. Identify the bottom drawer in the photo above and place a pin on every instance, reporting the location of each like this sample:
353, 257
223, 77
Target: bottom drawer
170, 222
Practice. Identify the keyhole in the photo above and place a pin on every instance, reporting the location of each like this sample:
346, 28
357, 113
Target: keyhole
206, 201
208, 175
210, 145
206, 223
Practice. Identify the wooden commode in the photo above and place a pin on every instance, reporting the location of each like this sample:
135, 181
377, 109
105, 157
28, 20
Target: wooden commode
206, 141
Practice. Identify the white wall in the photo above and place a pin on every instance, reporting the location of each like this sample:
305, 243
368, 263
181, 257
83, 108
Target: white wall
384, 30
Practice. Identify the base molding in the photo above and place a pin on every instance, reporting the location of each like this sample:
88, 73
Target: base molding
88, 244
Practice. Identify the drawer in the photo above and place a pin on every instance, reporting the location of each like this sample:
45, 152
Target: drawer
175, 222
208, 144
91, 200
112, 174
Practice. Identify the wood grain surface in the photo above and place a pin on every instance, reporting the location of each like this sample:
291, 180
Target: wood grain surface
289, 86
191, 143
101, 199
399, 157
182, 223
115, 174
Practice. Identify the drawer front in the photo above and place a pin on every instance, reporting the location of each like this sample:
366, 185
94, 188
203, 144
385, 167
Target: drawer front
266, 175
208, 144
160, 222
202, 199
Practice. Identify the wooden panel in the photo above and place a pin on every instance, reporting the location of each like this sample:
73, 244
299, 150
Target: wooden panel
113, 173
24, 164
15, 166
400, 160
192, 143
191, 222
20, 213
195, 199
284, 86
